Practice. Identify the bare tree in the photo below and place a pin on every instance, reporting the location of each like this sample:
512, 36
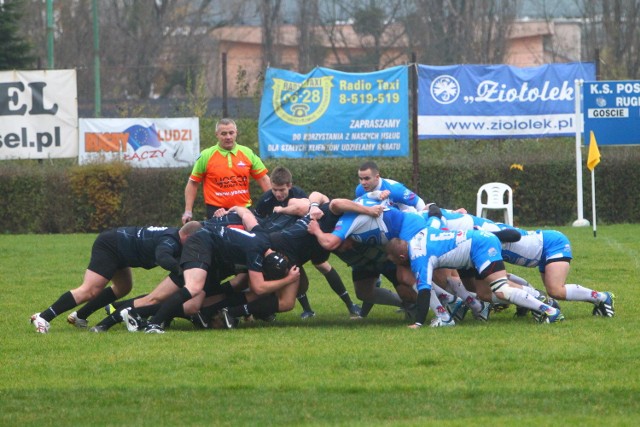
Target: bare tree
147, 47
371, 29
310, 51
460, 31
611, 26
271, 21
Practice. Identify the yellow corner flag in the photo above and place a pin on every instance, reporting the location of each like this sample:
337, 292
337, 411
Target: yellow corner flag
594, 153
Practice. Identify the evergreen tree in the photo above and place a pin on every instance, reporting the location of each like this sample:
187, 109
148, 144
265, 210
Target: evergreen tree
15, 51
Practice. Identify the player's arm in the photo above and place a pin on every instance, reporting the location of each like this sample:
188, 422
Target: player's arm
328, 241
424, 272
401, 194
190, 193
340, 206
297, 207
260, 286
248, 218
168, 255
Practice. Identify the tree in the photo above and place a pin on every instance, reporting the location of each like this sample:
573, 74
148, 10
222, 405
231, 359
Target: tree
370, 30
460, 31
271, 21
15, 51
612, 27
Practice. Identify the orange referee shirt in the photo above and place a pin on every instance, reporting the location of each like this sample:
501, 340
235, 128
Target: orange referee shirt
225, 175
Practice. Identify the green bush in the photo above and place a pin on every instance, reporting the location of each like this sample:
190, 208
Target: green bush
59, 197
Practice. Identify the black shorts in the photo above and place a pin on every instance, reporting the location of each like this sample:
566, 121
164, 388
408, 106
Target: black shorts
198, 251
105, 258
387, 269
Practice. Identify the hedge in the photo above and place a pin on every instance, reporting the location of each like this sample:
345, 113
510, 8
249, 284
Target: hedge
61, 197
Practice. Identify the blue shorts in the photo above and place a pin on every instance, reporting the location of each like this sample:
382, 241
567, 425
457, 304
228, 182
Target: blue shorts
556, 247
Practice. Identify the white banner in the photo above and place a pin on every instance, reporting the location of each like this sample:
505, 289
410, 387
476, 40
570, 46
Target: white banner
38, 114
141, 142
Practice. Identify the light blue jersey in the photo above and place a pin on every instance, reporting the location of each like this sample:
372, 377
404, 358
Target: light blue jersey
459, 221
537, 248
432, 248
378, 231
400, 196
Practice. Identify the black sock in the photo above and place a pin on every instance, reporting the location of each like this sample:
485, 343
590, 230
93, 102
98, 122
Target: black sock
238, 298
148, 310
104, 298
65, 303
120, 305
110, 320
336, 283
260, 308
304, 302
365, 309
170, 307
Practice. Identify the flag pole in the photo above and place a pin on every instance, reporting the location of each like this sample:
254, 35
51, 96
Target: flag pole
581, 221
593, 199
592, 161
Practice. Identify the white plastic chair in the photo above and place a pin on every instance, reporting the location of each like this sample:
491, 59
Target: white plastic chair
495, 200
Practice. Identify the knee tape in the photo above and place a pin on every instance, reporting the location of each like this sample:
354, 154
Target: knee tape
501, 285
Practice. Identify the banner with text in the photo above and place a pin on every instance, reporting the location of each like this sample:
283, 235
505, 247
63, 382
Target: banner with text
612, 112
38, 114
144, 143
498, 101
329, 113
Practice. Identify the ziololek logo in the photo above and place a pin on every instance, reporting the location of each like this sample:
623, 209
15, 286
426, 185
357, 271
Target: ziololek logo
302, 103
445, 89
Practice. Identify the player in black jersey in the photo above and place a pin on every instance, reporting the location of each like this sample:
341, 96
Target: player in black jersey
213, 252
113, 254
296, 244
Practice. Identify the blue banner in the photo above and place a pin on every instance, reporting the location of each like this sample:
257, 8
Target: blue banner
498, 101
329, 113
612, 111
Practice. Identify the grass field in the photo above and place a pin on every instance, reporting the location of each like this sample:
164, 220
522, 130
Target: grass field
329, 370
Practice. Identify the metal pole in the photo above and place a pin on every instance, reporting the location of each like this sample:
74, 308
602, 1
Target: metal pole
581, 221
96, 61
225, 109
50, 29
415, 179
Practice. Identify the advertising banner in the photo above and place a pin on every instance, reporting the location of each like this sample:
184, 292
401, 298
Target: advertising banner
329, 113
612, 111
498, 101
141, 142
38, 114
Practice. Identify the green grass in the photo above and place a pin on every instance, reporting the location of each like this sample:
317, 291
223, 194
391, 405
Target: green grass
325, 371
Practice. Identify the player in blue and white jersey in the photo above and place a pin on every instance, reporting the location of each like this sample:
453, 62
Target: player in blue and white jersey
479, 250
370, 230
378, 231
455, 220
397, 193
550, 251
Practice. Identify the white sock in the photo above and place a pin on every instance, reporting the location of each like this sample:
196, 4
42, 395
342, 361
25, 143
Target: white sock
523, 299
383, 296
470, 299
443, 296
518, 280
580, 293
437, 308
531, 291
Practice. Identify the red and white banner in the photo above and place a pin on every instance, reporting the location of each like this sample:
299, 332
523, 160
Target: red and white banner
38, 114
141, 142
